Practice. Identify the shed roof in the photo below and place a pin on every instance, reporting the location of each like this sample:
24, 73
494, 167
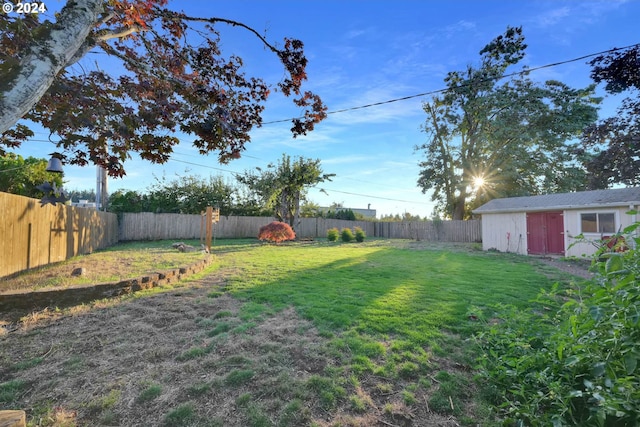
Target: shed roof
577, 200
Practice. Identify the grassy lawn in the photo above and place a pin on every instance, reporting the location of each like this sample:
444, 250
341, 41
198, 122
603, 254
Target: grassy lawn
313, 333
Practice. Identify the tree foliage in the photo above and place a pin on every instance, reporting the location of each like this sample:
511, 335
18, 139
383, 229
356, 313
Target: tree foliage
187, 195
21, 176
617, 138
510, 131
283, 186
175, 79
341, 213
77, 195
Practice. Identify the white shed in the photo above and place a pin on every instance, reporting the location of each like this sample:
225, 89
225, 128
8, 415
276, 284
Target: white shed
548, 224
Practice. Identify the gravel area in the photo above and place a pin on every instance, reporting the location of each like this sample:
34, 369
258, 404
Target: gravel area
577, 267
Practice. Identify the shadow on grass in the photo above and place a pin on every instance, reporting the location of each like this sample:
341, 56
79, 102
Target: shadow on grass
415, 295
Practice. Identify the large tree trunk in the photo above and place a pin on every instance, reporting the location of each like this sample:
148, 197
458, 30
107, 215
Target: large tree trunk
458, 207
296, 215
46, 58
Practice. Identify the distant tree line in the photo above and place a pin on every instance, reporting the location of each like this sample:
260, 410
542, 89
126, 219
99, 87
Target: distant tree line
22, 176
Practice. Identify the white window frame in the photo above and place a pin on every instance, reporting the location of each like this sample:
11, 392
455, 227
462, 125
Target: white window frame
597, 214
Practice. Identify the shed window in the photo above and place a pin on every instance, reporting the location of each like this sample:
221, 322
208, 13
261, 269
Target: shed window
598, 222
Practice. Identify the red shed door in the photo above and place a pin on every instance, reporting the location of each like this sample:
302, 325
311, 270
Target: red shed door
545, 233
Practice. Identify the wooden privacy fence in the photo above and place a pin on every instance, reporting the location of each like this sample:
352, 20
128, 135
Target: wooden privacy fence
36, 235
150, 226
441, 231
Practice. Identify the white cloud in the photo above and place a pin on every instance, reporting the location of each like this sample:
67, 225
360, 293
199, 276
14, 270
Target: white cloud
552, 17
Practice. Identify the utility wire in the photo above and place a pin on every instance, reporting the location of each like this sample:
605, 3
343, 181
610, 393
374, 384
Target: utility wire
321, 189
375, 197
434, 92
404, 98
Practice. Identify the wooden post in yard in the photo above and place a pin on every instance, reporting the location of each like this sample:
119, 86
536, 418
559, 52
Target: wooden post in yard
13, 419
209, 227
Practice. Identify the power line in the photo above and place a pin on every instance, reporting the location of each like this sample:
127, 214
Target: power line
321, 189
204, 166
434, 92
404, 98
376, 197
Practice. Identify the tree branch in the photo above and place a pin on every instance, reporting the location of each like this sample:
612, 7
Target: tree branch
180, 16
46, 58
119, 33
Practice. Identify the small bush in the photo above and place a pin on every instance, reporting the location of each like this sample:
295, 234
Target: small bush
360, 235
332, 234
347, 235
276, 232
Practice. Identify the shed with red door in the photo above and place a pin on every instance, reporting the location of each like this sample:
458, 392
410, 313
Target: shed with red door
550, 224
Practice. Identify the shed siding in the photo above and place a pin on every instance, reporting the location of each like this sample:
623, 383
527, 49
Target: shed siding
506, 232
573, 228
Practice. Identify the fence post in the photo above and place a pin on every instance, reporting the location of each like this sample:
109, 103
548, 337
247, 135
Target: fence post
209, 227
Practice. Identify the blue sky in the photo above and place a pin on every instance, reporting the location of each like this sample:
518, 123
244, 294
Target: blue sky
363, 52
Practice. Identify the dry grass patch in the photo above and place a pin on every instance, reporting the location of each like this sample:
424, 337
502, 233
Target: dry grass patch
151, 361
119, 262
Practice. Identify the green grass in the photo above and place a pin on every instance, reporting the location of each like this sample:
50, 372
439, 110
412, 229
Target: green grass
151, 392
183, 415
10, 390
388, 311
377, 290
392, 322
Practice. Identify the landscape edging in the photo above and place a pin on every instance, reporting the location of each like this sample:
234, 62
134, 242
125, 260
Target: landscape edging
37, 300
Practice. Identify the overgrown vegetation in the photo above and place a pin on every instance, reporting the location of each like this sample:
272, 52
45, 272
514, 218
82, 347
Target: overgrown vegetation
572, 358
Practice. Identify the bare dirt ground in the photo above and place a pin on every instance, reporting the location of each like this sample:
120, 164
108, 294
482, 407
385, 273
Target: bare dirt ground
577, 267
181, 358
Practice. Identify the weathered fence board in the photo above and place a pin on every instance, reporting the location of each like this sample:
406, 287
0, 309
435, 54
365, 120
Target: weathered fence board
149, 226
37, 235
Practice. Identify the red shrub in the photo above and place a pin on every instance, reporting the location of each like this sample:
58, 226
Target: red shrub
276, 232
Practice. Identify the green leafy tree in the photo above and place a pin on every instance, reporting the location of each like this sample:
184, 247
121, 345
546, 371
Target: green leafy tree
128, 201
341, 213
513, 134
247, 202
189, 194
310, 209
175, 79
616, 138
77, 195
21, 176
283, 186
